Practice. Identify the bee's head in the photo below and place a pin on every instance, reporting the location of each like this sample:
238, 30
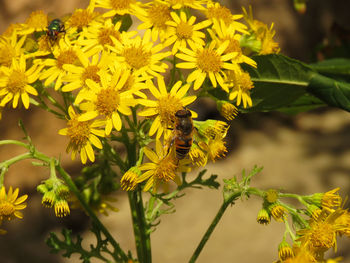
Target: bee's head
184, 113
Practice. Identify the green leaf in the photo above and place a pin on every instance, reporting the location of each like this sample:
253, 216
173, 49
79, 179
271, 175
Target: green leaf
304, 103
279, 81
334, 93
338, 66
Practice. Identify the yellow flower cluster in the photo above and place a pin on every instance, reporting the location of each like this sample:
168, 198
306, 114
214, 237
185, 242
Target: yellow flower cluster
106, 72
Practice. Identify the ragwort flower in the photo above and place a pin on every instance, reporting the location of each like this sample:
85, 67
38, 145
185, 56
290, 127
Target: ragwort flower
36, 22
182, 31
82, 135
240, 85
10, 204
11, 48
120, 7
165, 106
207, 62
15, 83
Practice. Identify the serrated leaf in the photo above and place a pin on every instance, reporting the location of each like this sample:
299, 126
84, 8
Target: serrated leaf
278, 81
334, 93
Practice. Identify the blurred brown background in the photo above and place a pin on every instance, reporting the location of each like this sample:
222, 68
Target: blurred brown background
304, 154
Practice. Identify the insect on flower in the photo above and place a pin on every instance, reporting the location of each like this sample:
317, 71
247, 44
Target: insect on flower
183, 133
55, 27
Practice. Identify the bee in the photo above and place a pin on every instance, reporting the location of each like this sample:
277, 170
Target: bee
55, 27
184, 130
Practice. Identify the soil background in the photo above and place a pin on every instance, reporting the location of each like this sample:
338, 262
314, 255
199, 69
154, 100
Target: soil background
305, 153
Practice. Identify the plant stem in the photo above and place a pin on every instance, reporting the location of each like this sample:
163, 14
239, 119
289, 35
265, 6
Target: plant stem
213, 224
142, 237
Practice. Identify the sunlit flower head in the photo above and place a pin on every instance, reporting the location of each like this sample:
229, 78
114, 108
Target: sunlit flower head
93, 63
214, 147
121, 7
207, 62
64, 54
11, 204
160, 170
100, 34
11, 30
107, 100
216, 12
81, 19
130, 178
194, 4
221, 32
11, 48
165, 106
140, 56
240, 85
15, 83
36, 22
321, 233
262, 32
182, 30
82, 135
158, 13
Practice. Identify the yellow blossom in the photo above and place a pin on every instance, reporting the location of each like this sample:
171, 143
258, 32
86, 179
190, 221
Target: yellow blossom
227, 110
10, 204
194, 4
130, 178
61, 208
240, 85
165, 106
182, 31
206, 62
82, 135
285, 251
81, 19
36, 22
160, 170
140, 56
15, 83
11, 48
263, 217
121, 7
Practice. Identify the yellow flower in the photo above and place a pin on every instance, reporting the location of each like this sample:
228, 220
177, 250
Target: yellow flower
63, 54
215, 147
94, 64
221, 32
240, 85
206, 62
277, 212
100, 35
263, 217
14, 83
194, 4
182, 31
140, 56
61, 208
216, 13
81, 19
11, 48
160, 170
227, 110
165, 106
107, 100
129, 179
321, 233
285, 251
36, 22
331, 199
262, 33
82, 135
197, 156
10, 204
158, 13
120, 7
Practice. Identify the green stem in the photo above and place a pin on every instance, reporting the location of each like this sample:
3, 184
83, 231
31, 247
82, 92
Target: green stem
213, 224
4, 142
142, 237
119, 253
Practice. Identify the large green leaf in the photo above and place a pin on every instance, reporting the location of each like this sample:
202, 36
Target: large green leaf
338, 66
278, 81
334, 93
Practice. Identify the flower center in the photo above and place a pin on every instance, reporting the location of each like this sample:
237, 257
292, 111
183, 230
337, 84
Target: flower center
17, 81
91, 73
220, 12
104, 36
6, 209
167, 107
120, 4
208, 60
159, 14
66, 57
245, 81
78, 131
136, 57
165, 170
322, 236
184, 30
81, 18
37, 19
107, 101
233, 46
